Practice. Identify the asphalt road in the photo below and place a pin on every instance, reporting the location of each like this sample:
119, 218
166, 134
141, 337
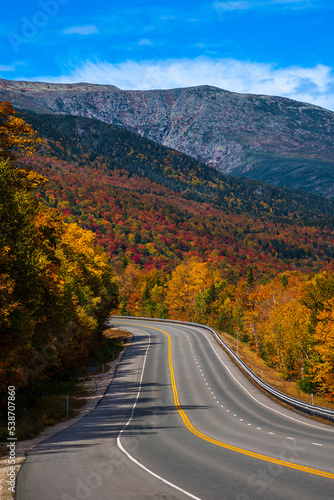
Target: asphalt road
181, 421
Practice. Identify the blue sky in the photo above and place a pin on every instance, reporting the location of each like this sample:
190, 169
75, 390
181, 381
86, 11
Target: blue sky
273, 47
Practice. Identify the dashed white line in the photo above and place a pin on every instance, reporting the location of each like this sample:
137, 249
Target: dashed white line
254, 398
222, 406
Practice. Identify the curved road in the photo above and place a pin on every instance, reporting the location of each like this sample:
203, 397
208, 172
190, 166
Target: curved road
181, 421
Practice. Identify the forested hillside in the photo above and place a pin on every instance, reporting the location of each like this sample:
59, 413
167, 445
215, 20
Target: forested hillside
155, 207
83, 141
186, 242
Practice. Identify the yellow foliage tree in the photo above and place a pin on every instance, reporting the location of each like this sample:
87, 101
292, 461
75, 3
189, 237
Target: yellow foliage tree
16, 136
323, 367
188, 280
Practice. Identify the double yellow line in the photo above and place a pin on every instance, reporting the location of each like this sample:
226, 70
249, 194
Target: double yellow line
199, 434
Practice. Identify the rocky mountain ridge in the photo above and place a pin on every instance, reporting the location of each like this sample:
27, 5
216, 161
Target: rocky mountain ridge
273, 139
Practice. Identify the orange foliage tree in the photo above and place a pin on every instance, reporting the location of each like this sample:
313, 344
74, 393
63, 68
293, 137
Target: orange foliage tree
277, 323
323, 366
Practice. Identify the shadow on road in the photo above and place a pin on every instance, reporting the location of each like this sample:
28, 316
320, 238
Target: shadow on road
154, 410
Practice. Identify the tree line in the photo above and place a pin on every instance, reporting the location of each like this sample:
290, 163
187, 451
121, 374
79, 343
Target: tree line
260, 274
56, 285
287, 320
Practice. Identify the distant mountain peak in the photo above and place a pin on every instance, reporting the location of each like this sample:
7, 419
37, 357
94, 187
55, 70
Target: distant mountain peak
273, 139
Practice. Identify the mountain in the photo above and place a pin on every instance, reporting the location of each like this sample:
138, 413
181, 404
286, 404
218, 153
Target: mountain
83, 140
185, 241
273, 139
156, 207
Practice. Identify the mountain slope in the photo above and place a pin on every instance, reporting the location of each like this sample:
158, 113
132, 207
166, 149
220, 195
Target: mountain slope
155, 207
276, 140
81, 139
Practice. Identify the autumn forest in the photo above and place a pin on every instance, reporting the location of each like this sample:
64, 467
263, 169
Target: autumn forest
95, 220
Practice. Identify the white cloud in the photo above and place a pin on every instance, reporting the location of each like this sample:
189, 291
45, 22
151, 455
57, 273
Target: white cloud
81, 30
167, 18
7, 68
145, 42
314, 85
231, 6
236, 5
306, 3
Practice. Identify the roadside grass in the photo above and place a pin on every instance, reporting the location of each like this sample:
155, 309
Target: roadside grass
110, 347
270, 375
46, 405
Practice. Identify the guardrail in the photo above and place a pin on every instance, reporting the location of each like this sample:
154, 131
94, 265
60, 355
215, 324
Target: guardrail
310, 409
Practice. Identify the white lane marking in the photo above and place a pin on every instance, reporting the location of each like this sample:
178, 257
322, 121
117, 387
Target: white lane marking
288, 437
259, 429
317, 444
241, 419
212, 392
120, 446
215, 397
250, 395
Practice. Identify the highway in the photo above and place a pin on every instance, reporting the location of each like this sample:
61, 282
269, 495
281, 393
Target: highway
179, 421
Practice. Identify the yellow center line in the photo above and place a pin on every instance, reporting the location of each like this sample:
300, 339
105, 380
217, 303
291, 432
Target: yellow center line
198, 433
